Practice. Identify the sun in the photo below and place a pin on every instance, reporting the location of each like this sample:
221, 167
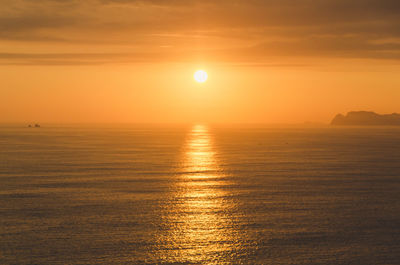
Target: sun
200, 76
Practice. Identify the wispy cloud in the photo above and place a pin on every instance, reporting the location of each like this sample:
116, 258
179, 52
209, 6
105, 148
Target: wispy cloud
180, 30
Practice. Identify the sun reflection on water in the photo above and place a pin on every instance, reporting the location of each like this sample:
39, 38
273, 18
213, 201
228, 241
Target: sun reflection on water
200, 229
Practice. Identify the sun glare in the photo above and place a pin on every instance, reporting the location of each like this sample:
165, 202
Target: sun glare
200, 76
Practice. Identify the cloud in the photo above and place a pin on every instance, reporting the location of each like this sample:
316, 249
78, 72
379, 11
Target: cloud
234, 30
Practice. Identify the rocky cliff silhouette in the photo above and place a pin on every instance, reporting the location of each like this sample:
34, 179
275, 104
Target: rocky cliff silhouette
366, 118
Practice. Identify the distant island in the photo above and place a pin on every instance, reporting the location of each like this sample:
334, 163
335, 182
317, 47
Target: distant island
366, 118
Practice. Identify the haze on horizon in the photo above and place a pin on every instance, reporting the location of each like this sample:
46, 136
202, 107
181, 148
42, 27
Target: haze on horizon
272, 61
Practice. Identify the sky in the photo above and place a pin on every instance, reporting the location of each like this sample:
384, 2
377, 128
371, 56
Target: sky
268, 61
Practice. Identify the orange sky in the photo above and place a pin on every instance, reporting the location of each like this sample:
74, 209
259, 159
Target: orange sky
268, 61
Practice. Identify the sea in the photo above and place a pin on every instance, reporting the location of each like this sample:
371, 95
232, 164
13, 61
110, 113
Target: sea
199, 194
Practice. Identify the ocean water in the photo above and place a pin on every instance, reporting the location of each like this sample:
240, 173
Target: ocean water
197, 194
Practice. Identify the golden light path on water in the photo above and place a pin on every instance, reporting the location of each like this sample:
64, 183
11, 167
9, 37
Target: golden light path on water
201, 229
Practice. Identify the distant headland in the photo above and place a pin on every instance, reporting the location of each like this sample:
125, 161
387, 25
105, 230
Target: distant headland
366, 118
